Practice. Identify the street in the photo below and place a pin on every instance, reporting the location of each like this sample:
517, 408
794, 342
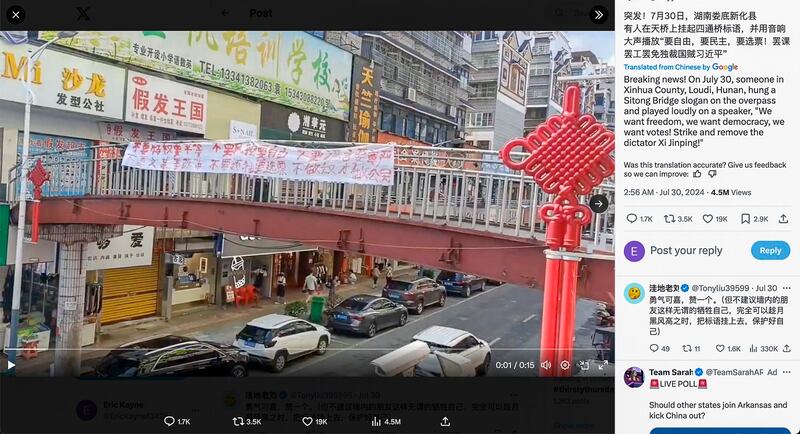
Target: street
507, 317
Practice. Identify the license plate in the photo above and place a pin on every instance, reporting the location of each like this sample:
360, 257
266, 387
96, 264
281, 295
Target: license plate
250, 344
394, 295
341, 317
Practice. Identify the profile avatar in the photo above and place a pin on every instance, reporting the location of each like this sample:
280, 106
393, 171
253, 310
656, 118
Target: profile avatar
634, 293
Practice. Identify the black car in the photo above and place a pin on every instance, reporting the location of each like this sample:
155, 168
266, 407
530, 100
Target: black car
415, 294
461, 283
367, 314
173, 355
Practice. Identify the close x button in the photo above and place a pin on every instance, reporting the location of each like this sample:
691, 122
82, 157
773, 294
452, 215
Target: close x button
15, 14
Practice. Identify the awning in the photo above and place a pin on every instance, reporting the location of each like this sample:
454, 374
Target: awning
249, 246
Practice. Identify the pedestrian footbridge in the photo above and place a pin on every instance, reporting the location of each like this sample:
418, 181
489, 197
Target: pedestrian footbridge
456, 209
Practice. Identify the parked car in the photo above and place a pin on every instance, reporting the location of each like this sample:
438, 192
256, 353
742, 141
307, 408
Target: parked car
367, 314
173, 355
454, 342
273, 340
404, 362
415, 294
461, 283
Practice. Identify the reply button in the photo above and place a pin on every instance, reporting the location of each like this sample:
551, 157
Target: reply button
770, 250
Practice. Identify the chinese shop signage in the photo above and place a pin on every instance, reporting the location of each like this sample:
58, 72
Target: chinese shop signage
366, 101
133, 248
62, 81
300, 125
163, 103
71, 156
367, 164
290, 68
118, 132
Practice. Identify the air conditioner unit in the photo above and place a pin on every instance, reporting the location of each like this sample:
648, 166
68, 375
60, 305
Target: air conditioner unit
411, 94
452, 111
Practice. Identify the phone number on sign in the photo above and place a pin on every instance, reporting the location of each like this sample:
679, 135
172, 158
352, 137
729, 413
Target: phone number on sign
247, 80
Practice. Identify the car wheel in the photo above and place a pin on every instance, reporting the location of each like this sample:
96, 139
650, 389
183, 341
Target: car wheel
483, 369
238, 371
322, 346
280, 362
372, 329
442, 299
420, 307
467, 291
403, 319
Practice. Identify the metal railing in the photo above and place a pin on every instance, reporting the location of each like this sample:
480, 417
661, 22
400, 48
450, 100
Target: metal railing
466, 188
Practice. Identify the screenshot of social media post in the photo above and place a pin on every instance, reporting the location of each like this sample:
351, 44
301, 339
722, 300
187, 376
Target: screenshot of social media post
238, 223
707, 241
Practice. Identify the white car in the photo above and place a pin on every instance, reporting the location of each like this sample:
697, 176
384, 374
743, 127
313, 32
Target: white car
438, 352
275, 339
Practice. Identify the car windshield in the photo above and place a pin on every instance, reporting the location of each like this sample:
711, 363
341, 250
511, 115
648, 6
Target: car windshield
119, 367
354, 304
255, 334
397, 285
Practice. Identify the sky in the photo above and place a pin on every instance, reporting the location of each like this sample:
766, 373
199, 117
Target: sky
601, 43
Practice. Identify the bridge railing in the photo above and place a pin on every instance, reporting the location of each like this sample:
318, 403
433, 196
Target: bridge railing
468, 188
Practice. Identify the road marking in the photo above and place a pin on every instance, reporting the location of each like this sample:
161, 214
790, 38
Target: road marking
328, 355
533, 315
493, 341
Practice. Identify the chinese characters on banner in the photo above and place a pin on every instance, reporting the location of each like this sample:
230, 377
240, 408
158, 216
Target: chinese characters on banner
368, 164
63, 82
117, 132
287, 67
163, 103
72, 156
134, 248
366, 101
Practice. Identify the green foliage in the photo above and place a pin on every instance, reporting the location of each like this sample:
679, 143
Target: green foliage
297, 309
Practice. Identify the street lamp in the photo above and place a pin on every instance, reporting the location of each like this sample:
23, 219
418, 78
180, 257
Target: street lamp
22, 179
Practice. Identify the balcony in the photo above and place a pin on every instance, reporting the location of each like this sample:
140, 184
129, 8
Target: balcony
396, 71
439, 43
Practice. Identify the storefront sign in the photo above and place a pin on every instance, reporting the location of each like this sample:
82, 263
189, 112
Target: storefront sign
133, 248
163, 103
243, 246
72, 156
118, 132
290, 68
243, 130
61, 81
5, 221
366, 101
238, 275
298, 125
367, 164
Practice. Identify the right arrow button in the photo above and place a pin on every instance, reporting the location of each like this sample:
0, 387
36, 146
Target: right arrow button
598, 14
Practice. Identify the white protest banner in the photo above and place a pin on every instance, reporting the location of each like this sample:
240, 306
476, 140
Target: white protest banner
366, 164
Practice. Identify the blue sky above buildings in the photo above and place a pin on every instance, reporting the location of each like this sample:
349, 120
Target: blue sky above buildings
601, 43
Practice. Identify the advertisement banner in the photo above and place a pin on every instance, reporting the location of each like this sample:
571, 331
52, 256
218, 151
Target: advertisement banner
368, 164
118, 132
71, 156
366, 101
284, 122
62, 82
295, 69
132, 249
164, 103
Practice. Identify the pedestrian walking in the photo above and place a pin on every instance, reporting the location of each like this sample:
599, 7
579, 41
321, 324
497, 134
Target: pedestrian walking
376, 273
259, 279
330, 284
389, 274
281, 288
352, 278
310, 284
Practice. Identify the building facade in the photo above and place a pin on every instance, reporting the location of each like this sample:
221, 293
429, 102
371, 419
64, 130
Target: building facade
424, 80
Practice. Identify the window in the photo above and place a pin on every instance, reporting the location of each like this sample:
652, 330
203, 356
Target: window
466, 343
480, 119
483, 144
183, 356
255, 334
304, 327
287, 330
487, 89
387, 119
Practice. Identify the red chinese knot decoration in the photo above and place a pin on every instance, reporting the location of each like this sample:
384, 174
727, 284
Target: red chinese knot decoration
38, 176
570, 154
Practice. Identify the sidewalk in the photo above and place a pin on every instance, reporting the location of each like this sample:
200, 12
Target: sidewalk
196, 321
